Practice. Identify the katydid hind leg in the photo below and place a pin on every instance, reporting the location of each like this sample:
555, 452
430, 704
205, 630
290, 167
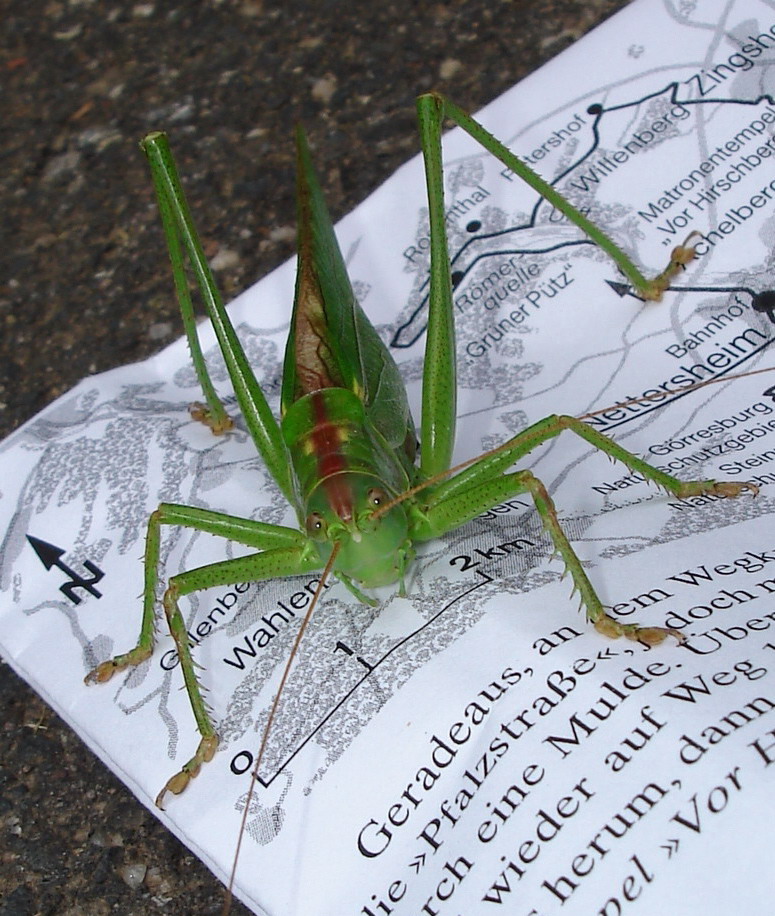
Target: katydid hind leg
212, 413
179, 227
652, 289
439, 389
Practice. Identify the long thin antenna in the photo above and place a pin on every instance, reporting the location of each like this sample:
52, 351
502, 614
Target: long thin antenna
646, 399
683, 389
265, 737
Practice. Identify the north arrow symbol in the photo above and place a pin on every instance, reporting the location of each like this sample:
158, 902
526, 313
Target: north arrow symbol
51, 555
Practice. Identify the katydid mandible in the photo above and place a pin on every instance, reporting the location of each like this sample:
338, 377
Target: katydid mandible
343, 453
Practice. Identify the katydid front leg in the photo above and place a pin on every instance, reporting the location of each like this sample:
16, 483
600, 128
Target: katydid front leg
485, 484
283, 552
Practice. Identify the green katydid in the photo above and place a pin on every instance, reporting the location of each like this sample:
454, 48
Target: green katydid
343, 453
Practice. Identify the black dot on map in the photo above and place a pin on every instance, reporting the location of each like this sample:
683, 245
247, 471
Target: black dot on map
595, 109
473, 226
457, 276
765, 302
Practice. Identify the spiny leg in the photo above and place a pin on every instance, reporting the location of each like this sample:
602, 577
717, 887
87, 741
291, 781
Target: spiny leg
682, 489
268, 564
284, 552
244, 531
181, 235
433, 108
439, 389
484, 484
495, 462
506, 486
596, 614
208, 742
212, 413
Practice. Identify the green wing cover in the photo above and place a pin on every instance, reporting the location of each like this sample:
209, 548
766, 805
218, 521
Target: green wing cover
332, 344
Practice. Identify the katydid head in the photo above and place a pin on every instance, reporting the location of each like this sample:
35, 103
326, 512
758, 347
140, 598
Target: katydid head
373, 549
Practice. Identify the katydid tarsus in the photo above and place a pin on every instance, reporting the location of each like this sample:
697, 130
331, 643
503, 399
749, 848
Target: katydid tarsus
343, 453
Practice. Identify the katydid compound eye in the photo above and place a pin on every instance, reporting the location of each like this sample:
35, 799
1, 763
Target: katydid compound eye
316, 527
376, 497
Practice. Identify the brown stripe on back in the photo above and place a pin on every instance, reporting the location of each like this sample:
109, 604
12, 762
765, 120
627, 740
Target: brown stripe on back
327, 437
